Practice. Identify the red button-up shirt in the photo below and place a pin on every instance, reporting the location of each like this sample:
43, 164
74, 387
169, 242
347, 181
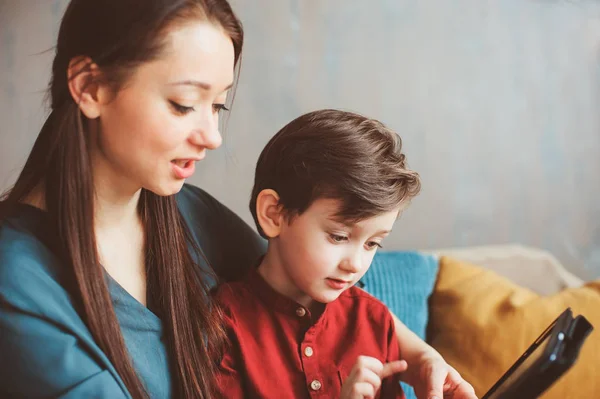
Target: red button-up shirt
277, 350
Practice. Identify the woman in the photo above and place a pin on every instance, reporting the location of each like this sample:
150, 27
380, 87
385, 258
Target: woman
104, 272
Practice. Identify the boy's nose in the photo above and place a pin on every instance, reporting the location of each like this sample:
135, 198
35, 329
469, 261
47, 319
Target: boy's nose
351, 264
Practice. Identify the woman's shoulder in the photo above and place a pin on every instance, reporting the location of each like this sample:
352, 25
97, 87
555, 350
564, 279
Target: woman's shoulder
194, 199
40, 325
199, 209
229, 244
21, 244
30, 273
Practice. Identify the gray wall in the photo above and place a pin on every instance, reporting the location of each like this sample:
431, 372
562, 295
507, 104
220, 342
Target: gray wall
497, 102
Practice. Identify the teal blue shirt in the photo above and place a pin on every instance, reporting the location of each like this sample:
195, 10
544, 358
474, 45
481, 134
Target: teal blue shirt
45, 348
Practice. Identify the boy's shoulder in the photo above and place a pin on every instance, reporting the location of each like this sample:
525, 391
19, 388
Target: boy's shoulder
240, 305
357, 300
356, 294
234, 295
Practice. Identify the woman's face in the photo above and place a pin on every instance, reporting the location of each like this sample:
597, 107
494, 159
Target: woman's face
154, 130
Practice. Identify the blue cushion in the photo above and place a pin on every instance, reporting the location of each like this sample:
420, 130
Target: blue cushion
404, 281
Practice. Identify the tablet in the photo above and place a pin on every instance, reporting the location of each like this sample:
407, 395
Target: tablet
546, 360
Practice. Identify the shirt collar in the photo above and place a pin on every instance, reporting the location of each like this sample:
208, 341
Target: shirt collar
276, 301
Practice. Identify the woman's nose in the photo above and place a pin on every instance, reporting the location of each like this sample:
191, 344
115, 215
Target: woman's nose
206, 134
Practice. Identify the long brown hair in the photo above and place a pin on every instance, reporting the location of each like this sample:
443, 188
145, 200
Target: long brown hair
339, 155
118, 35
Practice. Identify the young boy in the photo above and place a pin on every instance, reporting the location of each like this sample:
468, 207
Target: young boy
328, 188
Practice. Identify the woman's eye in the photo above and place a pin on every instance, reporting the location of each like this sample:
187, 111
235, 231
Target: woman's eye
181, 109
337, 238
219, 107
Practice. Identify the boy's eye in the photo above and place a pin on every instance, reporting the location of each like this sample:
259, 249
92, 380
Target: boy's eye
219, 107
374, 245
338, 238
181, 109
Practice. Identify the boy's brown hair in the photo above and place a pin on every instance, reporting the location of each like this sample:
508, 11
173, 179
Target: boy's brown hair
339, 155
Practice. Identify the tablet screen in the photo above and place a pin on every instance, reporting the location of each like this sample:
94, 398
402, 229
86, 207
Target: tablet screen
535, 351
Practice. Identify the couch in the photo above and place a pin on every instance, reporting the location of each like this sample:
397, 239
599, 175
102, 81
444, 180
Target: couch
528, 267
481, 307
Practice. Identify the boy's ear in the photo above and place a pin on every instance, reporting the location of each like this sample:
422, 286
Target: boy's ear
269, 213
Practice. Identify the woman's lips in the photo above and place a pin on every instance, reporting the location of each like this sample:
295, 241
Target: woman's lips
183, 168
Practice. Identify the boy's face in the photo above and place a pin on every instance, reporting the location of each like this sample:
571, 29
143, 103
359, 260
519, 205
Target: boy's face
322, 257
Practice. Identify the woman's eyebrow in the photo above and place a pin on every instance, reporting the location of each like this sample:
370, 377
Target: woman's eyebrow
196, 83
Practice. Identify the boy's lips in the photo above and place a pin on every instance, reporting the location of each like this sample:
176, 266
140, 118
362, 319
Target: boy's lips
339, 279
336, 284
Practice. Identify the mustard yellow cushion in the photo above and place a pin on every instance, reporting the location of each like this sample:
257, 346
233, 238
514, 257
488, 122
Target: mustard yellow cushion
481, 323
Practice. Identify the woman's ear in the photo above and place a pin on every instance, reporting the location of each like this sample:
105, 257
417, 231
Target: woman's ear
269, 212
83, 75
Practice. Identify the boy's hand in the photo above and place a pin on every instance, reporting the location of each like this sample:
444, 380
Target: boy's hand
433, 378
366, 375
